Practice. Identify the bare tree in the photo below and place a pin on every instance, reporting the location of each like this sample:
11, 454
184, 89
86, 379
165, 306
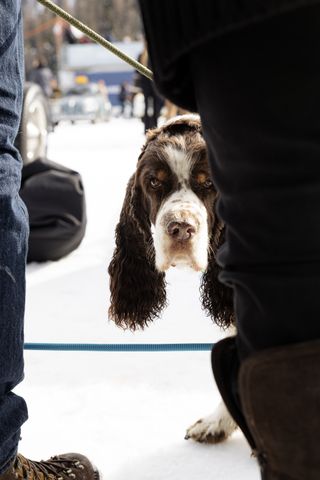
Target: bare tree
115, 20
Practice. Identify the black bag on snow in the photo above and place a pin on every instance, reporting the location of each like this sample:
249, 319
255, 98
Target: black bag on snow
55, 200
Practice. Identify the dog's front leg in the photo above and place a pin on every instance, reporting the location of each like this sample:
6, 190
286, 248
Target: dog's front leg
214, 428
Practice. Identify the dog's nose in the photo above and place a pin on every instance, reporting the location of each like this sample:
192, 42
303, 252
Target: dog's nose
181, 231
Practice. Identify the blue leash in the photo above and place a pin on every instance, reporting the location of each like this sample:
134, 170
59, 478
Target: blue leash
122, 347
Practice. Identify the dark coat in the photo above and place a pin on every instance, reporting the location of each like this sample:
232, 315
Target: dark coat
175, 27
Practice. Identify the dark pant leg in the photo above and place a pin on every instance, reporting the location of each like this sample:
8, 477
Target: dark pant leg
258, 93
13, 232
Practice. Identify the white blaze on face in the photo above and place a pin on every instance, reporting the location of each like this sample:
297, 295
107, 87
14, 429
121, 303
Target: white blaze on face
182, 205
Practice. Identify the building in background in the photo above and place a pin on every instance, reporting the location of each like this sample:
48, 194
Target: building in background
98, 64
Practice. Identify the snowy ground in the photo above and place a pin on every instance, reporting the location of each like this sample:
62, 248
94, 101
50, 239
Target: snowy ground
127, 411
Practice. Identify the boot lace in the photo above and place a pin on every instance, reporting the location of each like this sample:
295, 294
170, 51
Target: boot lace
54, 469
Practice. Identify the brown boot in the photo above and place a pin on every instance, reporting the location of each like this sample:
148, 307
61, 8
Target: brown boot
69, 466
280, 397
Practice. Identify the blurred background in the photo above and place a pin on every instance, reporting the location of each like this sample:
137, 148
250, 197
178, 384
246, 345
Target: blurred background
52, 38
69, 78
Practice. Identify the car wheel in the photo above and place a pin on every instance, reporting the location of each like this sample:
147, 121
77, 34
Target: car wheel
33, 132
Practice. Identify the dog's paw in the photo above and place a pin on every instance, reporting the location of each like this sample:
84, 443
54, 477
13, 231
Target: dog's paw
212, 429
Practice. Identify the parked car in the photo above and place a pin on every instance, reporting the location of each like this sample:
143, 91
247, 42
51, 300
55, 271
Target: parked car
82, 102
52, 193
32, 138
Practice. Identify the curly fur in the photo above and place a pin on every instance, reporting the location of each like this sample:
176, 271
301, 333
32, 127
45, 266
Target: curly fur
216, 298
138, 290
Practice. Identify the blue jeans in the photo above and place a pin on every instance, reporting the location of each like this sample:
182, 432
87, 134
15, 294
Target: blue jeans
13, 232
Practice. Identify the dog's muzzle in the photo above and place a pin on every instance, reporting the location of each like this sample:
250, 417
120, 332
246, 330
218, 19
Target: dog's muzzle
181, 235
180, 231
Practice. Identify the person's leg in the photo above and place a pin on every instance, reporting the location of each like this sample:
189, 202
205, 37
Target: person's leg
13, 232
258, 95
157, 106
259, 99
257, 91
148, 113
13, 245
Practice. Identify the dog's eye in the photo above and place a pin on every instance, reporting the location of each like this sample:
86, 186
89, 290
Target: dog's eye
203, 180
208, 183
155, 183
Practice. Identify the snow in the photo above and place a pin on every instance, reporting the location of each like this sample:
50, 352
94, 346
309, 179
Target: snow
127, 411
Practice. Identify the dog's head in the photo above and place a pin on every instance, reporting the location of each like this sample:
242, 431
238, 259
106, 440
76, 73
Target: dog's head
172, 191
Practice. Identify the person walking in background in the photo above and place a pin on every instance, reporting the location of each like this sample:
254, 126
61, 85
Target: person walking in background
13, 245
252, 71
125, 99
43, 76
153, 102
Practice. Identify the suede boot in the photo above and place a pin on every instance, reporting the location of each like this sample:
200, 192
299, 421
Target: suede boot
279, 390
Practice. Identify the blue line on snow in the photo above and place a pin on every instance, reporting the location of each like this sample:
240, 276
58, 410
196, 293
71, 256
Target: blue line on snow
122, 347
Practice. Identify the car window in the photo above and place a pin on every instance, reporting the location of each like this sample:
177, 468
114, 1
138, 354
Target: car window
82, 90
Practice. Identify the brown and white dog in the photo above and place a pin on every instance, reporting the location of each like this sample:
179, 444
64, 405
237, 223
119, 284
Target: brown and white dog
172, 192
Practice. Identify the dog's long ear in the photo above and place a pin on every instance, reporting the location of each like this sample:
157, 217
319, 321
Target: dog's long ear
138, 290
217, 298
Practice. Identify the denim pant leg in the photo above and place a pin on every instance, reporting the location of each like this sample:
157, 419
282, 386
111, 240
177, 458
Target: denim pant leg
13, 232
259, 99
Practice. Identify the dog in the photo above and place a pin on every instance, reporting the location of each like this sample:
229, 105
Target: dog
171, 192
